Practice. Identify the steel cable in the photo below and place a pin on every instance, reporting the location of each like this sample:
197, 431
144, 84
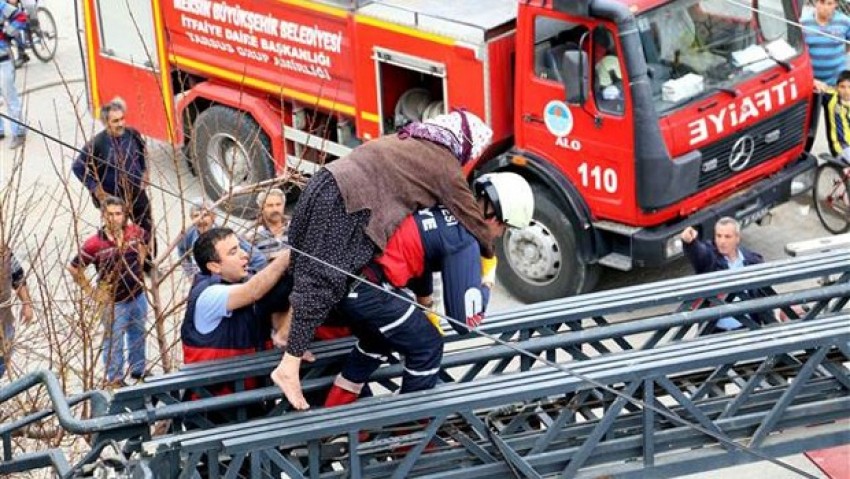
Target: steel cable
494, 339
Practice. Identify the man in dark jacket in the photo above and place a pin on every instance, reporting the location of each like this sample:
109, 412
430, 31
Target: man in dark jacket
114, 163
725, 252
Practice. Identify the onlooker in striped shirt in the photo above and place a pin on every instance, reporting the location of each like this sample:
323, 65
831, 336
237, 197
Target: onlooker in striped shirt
270, 234
826, 31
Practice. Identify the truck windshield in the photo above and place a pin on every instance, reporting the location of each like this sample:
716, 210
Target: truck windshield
694, 47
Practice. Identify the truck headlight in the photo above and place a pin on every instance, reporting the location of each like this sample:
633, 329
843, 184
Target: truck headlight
673, 246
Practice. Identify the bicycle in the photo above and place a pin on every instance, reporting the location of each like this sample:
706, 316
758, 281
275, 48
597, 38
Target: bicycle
832, 195
39, 36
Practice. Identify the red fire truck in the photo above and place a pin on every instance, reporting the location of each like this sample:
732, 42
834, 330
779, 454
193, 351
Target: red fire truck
632, 118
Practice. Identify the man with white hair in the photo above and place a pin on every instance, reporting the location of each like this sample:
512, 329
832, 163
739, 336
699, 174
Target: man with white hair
725, 252
350, 208
115, 163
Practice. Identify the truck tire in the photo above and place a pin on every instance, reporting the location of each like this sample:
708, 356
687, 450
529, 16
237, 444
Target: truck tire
542, 262
230, 150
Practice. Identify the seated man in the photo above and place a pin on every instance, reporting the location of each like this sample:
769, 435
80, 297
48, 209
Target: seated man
428, 240
17, 26
608, 79
607, 68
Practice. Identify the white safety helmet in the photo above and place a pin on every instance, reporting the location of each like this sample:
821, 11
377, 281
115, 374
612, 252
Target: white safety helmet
511, 197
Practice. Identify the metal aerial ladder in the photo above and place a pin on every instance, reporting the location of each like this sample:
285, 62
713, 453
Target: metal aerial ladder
774, 396
584, 371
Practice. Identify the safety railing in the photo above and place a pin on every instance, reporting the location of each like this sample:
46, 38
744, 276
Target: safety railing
720, 393
580, 328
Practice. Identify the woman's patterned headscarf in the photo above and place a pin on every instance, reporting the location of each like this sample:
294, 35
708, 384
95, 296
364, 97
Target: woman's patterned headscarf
462, 132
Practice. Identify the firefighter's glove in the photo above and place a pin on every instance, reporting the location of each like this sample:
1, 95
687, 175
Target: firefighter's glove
488, 271
435, 320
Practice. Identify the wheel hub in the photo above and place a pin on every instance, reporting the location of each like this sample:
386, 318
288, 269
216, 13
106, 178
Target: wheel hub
533, 253
228, 161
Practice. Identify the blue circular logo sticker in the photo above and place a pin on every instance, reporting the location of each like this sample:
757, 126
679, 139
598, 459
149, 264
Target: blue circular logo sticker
558, 118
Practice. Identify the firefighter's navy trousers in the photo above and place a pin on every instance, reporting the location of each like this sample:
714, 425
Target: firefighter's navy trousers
384, 324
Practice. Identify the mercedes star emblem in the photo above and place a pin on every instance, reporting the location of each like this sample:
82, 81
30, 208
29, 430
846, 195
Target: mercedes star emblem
742, 152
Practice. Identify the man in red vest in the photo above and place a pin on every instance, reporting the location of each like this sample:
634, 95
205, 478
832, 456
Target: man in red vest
229, 311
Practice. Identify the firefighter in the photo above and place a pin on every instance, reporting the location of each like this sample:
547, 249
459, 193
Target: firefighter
429, 240
229, 312
350, 208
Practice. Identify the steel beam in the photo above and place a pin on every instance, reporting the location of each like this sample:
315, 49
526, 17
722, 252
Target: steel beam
815, 401
577, 328
534, 320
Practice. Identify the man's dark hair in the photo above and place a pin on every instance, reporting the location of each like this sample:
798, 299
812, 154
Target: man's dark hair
843, 76
204, 248
113, 201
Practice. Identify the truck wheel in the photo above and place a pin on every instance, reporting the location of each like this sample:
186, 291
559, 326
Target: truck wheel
230, 150
541, 262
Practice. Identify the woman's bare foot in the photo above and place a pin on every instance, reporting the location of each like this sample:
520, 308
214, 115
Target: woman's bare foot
286, 377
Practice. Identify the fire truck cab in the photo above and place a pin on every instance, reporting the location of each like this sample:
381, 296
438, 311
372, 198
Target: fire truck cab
632, 119
644, 117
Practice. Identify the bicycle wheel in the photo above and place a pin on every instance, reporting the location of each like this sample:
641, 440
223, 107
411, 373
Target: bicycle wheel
44, 35
831, 201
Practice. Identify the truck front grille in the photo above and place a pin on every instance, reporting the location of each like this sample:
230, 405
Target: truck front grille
771, 137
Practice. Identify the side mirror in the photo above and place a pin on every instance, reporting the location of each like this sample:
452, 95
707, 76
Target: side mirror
574, 73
